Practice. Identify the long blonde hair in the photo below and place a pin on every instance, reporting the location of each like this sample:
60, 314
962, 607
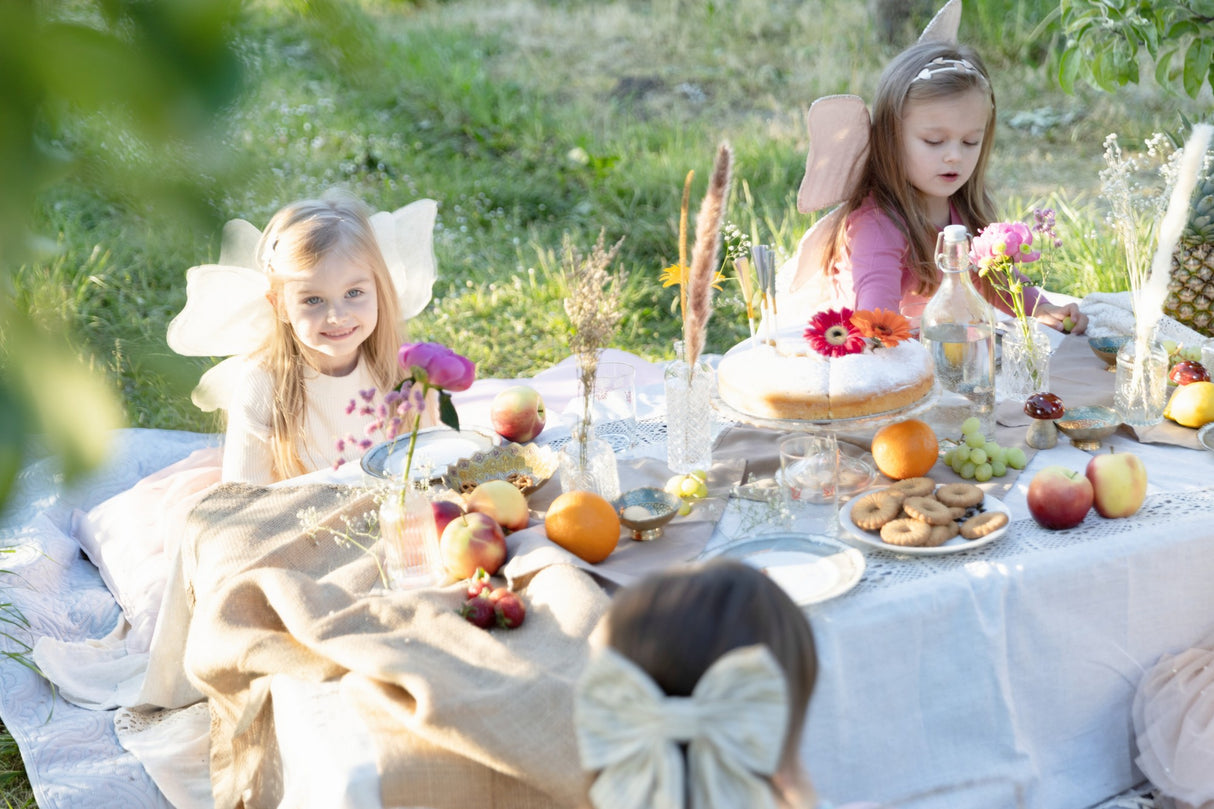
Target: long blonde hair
298, 238
884, 174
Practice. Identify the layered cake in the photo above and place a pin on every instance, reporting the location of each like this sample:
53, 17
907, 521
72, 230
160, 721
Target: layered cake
806, 374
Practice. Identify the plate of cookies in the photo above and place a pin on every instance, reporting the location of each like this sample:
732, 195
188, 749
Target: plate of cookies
918, 517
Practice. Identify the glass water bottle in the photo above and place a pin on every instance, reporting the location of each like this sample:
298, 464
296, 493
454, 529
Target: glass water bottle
958, 329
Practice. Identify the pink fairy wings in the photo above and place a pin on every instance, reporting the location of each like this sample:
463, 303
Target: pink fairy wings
838, 138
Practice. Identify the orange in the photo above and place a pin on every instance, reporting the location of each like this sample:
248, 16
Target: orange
905, 449
584, 524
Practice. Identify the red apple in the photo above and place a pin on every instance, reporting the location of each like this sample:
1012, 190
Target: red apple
444, 512
1119, 480
472, 541
1187, 371
502, 501
517, 413
1059, 497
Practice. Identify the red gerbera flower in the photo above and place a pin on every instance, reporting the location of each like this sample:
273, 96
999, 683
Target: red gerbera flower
832, 334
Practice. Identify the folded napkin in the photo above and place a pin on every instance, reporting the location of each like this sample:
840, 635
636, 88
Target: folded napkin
682, 539
459, 716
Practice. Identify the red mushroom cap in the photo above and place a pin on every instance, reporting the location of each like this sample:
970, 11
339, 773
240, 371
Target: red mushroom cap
1044, 406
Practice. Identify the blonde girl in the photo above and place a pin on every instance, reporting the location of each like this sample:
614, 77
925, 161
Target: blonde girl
335, 333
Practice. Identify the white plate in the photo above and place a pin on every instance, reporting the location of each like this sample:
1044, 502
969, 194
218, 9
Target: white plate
955, 545
437, 448
1205, 436
810, 569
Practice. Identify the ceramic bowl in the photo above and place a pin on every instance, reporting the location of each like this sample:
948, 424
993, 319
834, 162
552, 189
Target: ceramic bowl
1088, 426
1106, 347
646, 511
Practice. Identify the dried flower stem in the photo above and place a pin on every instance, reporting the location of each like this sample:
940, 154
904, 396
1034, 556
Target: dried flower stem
683, 246
702, 271
592, 302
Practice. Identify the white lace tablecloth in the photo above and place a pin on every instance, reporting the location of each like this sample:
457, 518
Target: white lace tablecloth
1016, 660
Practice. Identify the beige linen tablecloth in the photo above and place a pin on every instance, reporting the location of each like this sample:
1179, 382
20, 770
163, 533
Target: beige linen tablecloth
458, 714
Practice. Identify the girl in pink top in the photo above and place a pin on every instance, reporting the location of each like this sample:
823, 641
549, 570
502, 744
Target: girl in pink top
925, 167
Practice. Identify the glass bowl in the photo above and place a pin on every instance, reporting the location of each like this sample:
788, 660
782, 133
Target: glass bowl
646, 511
1088, 426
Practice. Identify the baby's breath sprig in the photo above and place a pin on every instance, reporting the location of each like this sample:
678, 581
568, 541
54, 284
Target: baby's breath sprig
358, 529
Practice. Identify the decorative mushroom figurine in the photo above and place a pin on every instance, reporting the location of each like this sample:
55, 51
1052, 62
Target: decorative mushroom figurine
1044, 409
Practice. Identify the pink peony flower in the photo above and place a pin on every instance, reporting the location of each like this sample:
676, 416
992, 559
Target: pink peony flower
832, 334
436, 365
999, 240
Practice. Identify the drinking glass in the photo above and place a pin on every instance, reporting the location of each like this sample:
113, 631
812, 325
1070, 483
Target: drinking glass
409, 536
613, 407
809, 477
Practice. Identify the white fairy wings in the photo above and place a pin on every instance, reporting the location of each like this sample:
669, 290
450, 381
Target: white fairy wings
839, 127
227, 313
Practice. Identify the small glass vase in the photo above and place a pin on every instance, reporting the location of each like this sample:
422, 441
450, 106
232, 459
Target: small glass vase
1140, 392
1025, 365
409, 539
588, 464
689, 414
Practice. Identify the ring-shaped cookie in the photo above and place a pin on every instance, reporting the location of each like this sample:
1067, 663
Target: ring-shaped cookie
928, 509
940, 534
915, 487
874, 510
982, 524
963, 495
905, 532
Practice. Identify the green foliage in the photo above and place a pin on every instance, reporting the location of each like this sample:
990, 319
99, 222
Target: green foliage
1106, 40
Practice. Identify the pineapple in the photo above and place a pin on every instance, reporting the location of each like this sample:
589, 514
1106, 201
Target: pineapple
1191, 287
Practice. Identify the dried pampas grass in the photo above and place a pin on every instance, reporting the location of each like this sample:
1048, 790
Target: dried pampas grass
704, 256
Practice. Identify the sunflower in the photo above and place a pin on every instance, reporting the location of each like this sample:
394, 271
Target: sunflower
886, 327
832, 334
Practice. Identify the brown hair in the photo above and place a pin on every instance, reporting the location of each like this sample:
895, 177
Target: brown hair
297, 238
883, 177
677, 623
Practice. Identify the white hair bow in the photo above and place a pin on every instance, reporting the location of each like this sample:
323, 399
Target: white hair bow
227, 312
733, 723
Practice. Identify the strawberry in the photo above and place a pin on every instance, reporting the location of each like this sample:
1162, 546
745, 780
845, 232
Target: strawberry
508, 607
479, 611
478, 583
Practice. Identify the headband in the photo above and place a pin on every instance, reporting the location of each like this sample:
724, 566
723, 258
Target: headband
733, 724
227, 313
942, 64
839, 127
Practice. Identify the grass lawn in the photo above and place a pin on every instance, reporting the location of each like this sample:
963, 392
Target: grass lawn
530, 120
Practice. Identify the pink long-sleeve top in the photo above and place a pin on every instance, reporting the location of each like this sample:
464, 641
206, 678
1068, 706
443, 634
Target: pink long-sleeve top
877, 267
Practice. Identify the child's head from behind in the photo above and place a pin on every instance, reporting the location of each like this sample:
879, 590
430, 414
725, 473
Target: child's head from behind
933, 124
675, 625
329, 285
